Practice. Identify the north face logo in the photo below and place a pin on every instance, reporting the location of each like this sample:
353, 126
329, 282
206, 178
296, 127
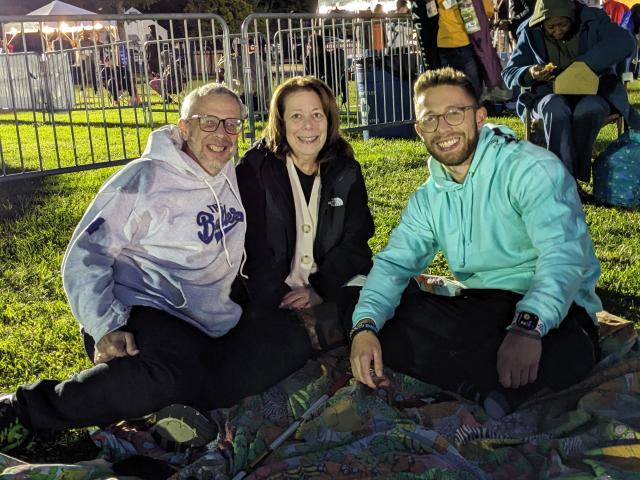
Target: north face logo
211, 225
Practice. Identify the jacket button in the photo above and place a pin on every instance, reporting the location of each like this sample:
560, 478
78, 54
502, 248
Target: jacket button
306, 228
305, 259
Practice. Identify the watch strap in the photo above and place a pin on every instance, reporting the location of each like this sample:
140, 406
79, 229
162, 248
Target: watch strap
527, 322
361, 326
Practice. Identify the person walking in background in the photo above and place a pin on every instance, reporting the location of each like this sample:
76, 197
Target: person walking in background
5, 47
402, 6
399, 32
85, 60
377, 31
454, 46
153, 46
308, 219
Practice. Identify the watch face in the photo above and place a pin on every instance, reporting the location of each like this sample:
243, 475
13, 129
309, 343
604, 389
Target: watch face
527, 320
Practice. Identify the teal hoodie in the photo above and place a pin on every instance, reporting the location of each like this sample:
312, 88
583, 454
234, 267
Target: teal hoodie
515, 223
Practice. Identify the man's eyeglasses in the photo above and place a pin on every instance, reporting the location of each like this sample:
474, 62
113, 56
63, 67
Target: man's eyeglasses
454, 116
209, 123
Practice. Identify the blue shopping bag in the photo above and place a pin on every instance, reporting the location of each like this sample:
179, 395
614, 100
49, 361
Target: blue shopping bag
616, 172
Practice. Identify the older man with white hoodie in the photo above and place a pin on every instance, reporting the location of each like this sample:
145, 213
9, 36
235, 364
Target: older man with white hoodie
148, 274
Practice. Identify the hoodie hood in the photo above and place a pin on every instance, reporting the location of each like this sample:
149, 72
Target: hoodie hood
545, 9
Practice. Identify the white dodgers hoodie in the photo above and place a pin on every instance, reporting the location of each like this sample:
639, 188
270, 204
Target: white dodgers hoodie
162, 233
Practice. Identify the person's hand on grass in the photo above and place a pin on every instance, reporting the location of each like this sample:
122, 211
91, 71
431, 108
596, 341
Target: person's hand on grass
518, 360
115, 344
299, 298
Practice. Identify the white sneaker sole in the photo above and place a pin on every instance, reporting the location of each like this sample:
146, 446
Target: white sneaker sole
178, 426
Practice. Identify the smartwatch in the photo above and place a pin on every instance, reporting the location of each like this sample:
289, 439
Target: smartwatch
527, 321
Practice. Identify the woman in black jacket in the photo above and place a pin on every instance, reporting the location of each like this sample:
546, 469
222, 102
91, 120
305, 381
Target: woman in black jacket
308, 221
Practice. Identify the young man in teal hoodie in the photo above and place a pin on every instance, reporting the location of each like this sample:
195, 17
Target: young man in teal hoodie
507, 216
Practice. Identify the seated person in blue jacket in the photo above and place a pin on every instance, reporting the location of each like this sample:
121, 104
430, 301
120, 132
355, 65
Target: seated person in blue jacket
559, 33
148, 274
308, 220
507, 216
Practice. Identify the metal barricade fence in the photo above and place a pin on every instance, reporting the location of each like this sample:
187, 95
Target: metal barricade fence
80, 92
370, 62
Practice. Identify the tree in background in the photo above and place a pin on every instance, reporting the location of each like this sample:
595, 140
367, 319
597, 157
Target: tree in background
285, 6
235, 11
114, 6
232, 11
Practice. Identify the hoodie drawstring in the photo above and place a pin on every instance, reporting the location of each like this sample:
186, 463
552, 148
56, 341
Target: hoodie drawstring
468, 225
244, 250
224, 237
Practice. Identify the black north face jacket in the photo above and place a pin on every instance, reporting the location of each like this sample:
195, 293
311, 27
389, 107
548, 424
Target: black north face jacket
345, 225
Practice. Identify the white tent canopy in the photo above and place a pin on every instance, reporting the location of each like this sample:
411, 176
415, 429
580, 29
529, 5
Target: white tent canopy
140, 30
60, 8
57, 8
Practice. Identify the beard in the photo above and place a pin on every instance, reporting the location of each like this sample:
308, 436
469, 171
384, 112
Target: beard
453, 159
212, 163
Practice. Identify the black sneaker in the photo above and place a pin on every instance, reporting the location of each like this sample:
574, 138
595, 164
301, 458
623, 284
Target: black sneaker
495, 404
470, 392
12, 432
178, 427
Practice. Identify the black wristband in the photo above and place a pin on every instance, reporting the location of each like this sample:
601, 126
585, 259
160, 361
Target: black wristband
361, 326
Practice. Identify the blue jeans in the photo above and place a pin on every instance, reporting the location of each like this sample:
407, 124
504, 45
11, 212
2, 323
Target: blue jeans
571, 125
465, 60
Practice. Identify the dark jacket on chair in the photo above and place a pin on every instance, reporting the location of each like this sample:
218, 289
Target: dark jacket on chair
602, 45
344, 226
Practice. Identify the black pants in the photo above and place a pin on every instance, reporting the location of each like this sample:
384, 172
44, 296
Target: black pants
450, 341
177, 363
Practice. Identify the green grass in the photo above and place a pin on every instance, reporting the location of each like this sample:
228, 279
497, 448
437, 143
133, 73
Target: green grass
38, 335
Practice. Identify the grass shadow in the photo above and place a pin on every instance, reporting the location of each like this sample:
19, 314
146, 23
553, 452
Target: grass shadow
625, 306
19, 195
58, 448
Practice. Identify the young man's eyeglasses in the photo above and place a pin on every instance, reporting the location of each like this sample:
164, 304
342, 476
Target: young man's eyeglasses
209, 123
454, 116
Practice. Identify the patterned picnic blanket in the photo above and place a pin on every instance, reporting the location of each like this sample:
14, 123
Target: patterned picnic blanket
406, 430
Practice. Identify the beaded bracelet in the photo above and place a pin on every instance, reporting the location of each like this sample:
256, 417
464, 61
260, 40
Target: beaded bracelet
361, 326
